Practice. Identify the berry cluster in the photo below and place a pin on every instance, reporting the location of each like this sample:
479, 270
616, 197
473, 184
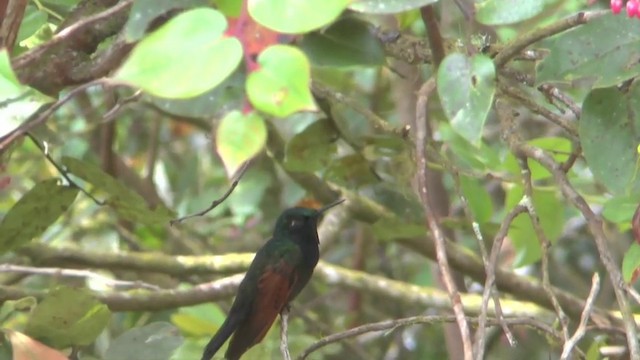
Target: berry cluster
633, 7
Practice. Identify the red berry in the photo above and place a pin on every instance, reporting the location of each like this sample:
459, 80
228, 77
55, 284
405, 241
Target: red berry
616, 6
632, 8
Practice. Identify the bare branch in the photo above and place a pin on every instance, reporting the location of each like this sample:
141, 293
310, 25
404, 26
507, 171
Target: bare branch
432, 221
518, 45
595, 224
56, 272
391, 325
526, 100
220, 200
284, 341
584, 319
65, 174
43, 116
490, 269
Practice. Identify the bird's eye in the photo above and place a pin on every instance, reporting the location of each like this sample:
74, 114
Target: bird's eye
295, 222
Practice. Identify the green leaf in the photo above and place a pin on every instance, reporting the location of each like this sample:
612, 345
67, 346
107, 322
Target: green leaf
312, 149
21, 305
502, 12
558, 147
230, 8
126, 202
593, 353
143, 12
295, 16
280, 87
18, 101
396, 228
34, 213
631, 262
10, 87
347, 42
388, 6
620, 209
605, 50
408, 221
199, 320
478, 158
352, 171
466, 87
68, 316
158, 341
228, 96
478, 198
248, 195
391, 158
609, 133
186, 57
550, 212
239, 138
33, 20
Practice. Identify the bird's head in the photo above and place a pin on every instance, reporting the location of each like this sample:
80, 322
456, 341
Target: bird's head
300, 220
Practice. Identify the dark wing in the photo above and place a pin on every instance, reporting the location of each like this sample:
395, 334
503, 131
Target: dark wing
274, 289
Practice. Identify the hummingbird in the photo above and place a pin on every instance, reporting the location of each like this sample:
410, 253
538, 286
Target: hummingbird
279, 271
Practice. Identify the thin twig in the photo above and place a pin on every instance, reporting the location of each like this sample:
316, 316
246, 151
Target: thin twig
25, 127
490, 269
376, 122
120, 104
64, 172
532, 105
552, 92
391, 325
595, 224
538, 34
479, 339
218, 201
634, 294
527, 201
432, 222
573, 157
584, 318
50, 271
510, 135
284, 338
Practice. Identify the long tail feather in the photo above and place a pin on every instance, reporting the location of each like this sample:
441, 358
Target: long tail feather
228, 327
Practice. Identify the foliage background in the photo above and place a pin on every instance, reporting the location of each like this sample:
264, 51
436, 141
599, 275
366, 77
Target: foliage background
500, 133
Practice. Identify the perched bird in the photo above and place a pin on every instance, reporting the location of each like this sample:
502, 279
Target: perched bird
279, 271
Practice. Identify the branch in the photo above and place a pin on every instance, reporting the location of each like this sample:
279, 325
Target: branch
532, 105
68, 34
220, 200
490, 267
391, 325
518, 45
377, 123
461, 258
432, 220
147, 300
63, 172
185, 266
284, 342
90, 275
43, 116
584, 319
527, 202
594, 223
70, 57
